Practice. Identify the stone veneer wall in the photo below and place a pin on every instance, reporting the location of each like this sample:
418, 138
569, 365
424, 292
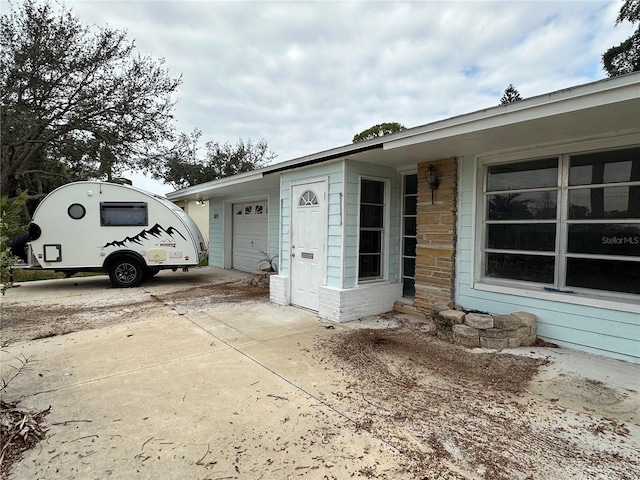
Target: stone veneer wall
436, 235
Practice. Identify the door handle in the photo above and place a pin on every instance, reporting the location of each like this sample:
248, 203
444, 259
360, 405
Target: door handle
293, 254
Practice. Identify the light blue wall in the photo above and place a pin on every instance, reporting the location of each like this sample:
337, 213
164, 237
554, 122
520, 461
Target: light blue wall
216, 225
333, 172
605, 331
355, 171
342, 273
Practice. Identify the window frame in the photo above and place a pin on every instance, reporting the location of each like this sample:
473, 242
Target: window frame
558, 290
140, 206
403, 235
384, 240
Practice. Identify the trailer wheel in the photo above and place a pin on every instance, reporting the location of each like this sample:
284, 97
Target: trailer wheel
19, 246
125, 273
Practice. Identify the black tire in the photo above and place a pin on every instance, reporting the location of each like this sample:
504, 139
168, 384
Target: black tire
125, 273
19, 246
151, 272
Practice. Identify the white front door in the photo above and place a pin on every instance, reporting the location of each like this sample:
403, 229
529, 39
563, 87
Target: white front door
308, 243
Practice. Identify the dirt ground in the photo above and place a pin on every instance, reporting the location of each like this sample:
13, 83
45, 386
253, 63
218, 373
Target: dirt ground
450, 412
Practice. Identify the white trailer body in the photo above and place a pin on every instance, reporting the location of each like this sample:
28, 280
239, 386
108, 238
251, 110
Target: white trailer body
119, 229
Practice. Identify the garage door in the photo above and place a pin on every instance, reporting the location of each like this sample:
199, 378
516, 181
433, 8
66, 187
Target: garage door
249, 235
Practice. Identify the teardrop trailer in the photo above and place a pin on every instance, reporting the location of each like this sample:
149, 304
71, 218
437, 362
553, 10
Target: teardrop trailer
107, 227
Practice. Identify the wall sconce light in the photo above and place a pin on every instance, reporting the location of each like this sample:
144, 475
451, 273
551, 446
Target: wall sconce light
431, 175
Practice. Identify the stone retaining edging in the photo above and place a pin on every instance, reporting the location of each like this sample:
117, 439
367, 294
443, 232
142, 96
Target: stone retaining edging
484, 330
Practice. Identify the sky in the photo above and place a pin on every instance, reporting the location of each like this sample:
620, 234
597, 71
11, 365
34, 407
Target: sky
307, 76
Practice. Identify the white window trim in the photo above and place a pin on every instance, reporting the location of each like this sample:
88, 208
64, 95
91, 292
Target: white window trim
579, 296
386, 234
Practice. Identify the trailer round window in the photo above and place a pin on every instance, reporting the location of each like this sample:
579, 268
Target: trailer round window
76, 211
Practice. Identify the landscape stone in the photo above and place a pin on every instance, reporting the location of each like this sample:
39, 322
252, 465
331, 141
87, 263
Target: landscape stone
466, 341
528, 319
454, 316
496, 343
508, 322
494, 333
479, 320
465, 331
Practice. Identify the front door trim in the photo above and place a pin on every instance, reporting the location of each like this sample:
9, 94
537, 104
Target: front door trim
301, 185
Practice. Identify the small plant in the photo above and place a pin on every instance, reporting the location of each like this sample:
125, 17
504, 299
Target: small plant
11, 223
13, 370
270, 261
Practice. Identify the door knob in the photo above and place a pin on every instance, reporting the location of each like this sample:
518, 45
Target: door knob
293, 254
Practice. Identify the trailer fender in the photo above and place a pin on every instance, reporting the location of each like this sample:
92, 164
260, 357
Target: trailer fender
34, 231
125, 268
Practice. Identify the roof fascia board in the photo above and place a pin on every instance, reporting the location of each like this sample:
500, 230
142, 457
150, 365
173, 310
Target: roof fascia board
215, 184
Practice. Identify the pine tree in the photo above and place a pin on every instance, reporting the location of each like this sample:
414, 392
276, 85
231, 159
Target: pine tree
510, 95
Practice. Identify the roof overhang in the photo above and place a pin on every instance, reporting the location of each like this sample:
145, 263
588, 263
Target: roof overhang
600, 109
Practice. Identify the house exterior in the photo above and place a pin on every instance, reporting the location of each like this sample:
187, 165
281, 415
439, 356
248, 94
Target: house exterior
536, 208
199, 213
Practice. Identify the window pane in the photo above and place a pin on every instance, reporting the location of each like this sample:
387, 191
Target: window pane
519, 206
530, 268
409, 246
528, 236
409, 267
610, 202
599, 238
410, 205
614, 276
411, 184
410, 227
370, 241
605, 167
516, 176
371, 216
123, 214
369, 266
372, 191
408, 287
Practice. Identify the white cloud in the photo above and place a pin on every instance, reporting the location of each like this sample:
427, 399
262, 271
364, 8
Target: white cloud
307, 76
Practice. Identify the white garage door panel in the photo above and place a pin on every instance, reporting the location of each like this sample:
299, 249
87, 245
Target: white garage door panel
249, 235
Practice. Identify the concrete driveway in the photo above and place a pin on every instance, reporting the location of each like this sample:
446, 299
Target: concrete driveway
230, 392
162, 382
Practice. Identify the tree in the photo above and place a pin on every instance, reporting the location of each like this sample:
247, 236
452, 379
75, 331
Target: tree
184, 167
510, 95
75, 103
378, 131
625, 58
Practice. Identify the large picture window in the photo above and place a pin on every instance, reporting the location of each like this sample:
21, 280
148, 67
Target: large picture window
372, 195
568, 222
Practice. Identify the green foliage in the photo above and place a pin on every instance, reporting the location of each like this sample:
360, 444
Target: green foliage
378, 131
510, 95
76, 101
184, 167
11, 223
625, 57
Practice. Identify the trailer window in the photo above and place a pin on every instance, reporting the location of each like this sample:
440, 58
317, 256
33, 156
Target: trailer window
119, 214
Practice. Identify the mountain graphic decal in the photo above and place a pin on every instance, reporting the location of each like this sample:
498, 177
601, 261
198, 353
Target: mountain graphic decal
156, 231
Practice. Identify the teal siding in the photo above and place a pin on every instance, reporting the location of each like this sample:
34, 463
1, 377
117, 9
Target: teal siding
601, 330
333, 172
216, 225
356, 170
216, 232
